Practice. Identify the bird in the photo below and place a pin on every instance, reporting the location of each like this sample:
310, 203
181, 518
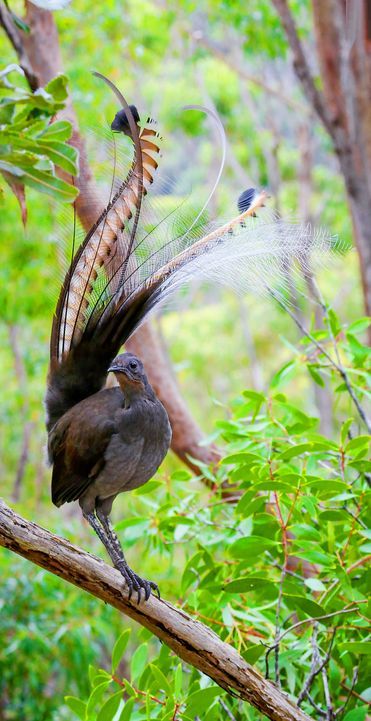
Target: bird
106, 441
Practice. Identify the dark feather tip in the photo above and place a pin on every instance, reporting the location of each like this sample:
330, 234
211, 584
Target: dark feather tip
120, 123
245, 199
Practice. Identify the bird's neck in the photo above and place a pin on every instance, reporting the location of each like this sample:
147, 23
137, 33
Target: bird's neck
135, 392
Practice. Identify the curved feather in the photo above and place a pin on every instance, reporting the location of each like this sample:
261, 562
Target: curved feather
127, 266
99, 248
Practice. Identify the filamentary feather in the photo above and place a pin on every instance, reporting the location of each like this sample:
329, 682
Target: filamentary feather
122, 271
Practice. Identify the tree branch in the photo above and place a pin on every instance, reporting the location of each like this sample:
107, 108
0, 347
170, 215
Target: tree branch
220, 53
301, 66
15, 38
191, 640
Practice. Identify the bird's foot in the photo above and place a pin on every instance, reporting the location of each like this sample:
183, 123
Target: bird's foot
136, 583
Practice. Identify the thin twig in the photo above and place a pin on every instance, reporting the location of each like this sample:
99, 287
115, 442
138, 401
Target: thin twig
317, 663
329, 708
313, 669
227, 710
350, 693
324, 352
314, 620
316, 706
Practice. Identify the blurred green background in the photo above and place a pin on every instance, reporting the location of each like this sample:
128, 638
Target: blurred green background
225, 55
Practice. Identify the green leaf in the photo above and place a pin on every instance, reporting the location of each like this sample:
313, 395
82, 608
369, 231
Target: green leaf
162, 682
356, 714
60, 130
334, 322
96, 696
251, 547
148, 487
360, 352
92, 673
274, 485
47, 183
360, 325
362, 647
302, 530
57, 87
316, 376
315, 584
326, 488
323, 559
126, 711
357, 443
119, 648
181, 475
362, 465
294, 451
345, 429
178, 680
110, 707
336, 516
252, 653
173, 521
138, 661
248, 583
284, 374
76, 705
310, 607
201, 700
63, 155
10, 168
254, 395
129, 522
242, 457
101, 677
247, 507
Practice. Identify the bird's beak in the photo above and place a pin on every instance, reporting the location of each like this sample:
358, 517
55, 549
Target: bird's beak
115, 368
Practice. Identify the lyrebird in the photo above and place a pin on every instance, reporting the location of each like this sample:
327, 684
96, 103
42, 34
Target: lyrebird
105, 441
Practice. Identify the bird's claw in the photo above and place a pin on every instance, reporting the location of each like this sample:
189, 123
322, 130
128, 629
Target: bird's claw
136, 583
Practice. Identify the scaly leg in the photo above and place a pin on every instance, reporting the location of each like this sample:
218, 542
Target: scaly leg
107, 526
106, 534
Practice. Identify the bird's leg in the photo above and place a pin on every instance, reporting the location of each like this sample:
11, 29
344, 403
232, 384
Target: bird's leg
107, 535
107, 526
132, 579
97, 527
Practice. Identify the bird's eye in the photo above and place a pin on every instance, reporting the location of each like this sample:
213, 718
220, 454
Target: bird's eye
133, 365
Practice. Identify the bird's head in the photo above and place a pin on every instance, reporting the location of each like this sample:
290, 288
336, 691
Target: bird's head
120, 123
129, 371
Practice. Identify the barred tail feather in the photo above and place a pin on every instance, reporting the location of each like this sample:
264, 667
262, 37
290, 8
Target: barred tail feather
128, 266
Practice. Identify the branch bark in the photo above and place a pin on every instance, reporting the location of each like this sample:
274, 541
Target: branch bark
191, 640
15, 37
40, 51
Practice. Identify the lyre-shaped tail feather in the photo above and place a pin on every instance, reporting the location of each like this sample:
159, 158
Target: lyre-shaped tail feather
246, 253
116, 278
100, 248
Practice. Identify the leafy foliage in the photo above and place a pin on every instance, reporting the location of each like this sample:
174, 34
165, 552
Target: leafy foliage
282, 574
32, 147
293, 549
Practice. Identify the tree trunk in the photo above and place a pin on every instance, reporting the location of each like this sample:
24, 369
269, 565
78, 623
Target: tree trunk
343, 106
346, 78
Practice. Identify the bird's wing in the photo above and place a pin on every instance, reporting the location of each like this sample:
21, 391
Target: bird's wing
78, 442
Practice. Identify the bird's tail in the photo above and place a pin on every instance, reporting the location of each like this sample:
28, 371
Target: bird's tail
124, 270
